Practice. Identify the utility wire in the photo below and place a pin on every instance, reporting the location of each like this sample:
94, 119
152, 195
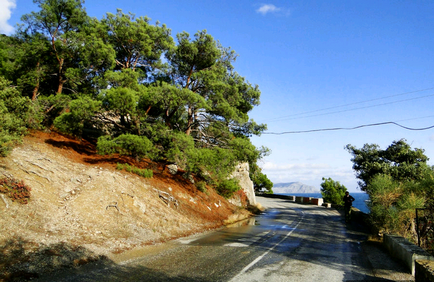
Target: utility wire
359, 108
348, 128
345, 105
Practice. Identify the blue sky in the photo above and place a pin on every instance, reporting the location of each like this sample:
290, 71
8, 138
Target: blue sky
319, 65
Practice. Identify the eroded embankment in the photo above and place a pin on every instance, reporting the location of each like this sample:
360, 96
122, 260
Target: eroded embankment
82, 208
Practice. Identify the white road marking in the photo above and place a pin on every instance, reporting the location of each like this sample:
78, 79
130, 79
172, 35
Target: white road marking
236, 278
236, 245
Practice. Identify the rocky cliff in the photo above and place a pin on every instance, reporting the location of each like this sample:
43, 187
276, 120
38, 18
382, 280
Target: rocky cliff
242, 174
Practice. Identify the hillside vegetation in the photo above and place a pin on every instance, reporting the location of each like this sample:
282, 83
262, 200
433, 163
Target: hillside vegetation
136, 103
81, 207
129, 87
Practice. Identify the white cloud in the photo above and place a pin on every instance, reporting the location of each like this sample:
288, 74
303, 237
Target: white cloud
6, 7
267, 8
275, 167
309, 173
431, 138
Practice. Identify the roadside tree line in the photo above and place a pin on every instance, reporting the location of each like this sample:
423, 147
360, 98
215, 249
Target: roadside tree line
398, 181
131, 87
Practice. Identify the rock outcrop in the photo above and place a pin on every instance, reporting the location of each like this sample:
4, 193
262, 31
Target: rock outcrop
242, 174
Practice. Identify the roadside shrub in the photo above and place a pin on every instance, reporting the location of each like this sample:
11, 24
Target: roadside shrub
125, 144
228, 187
14, 114
128, 168
15, 189
332, 191
393, 205
177, 146
81, 110
216, 163
201, 186
146, 173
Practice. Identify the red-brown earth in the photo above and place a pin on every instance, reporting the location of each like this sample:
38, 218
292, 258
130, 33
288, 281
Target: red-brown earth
82, 208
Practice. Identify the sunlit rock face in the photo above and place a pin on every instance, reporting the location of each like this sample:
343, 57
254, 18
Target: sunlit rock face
242, 174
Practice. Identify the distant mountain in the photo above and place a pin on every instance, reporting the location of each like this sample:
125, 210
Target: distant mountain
294, 187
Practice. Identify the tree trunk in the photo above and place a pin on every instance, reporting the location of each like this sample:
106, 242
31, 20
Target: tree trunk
190, 120
36, 89
61, 81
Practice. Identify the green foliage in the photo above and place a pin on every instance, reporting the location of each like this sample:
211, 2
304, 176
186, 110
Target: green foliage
178, 146
53, 106
126, 82
138, 44
215, 164
14, 116
228, 187
204, 67
201, 186
332, 191
398, 161
121, 100
146, 173
125, 144
393, 204
16, 190
244, 150
260, 180
398, 181
81, 111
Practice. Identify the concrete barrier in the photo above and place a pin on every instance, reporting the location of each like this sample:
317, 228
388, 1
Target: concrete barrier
306, 200
317, 202
286, 197
298, 199
405, 251
424, 271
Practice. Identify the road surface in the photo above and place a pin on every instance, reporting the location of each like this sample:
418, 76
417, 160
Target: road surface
288, 242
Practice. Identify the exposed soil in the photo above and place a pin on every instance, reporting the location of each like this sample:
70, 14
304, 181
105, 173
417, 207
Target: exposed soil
83, 209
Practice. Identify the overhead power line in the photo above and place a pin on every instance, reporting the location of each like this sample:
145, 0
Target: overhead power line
365, 107
347, 128
304, 114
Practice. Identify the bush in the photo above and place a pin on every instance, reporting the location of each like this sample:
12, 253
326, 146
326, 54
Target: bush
228, 187
178, 146
146, 173
201, 186
332, 191
81, 110
16, 190
393, 205
14, 113
125, 144
213, 164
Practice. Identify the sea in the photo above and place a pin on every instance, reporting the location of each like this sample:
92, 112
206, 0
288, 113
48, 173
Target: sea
359, 202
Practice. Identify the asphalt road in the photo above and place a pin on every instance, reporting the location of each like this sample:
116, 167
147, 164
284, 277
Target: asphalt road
288, 242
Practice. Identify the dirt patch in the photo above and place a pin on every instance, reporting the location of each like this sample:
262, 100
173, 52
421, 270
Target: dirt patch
82, 208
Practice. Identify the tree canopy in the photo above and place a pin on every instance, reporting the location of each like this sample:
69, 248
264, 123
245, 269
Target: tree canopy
332, 191
398, 160
127, 84
398, 181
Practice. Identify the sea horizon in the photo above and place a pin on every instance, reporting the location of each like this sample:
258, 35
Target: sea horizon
359, 203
